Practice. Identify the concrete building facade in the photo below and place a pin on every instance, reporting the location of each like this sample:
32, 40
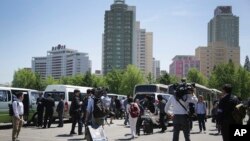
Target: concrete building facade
119, 38
182, 64
156, 68
61, 61
144, 49
224, 26
215, 54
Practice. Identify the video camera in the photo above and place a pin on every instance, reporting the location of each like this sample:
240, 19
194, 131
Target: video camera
183, 88
98, 92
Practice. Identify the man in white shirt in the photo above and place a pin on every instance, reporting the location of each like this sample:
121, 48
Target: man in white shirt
179, 107
17, 118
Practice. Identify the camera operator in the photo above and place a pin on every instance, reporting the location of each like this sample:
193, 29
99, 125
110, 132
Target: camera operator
179, 103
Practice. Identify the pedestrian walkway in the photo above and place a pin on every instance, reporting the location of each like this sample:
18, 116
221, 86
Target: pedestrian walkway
115, 132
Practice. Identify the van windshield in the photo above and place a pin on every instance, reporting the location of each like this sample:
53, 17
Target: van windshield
54, 95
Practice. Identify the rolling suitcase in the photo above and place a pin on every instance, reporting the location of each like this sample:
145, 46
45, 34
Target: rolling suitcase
97, 134
148, 126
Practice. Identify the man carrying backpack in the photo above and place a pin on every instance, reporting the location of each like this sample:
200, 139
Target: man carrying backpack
17, 118
134, 111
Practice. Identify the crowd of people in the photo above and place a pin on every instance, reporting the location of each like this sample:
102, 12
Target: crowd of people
95, 107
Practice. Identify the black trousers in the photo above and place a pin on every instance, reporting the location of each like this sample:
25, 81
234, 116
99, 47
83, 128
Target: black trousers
48, 116
162, 121
76, 118
60, 117
225, 131
40, 117
181, 122
201, 120
138, 125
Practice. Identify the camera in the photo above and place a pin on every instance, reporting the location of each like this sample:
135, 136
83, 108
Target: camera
98, 92
182, 89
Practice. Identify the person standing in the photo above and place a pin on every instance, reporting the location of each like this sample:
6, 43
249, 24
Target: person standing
49, 110
225, 108
75, 110
180, 116
17, 118
125, 103
134, 111
139, 120
201, 113
162, 115
60, 110
40, 110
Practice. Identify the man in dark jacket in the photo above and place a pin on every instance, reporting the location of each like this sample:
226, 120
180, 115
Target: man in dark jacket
225, 108
60, 110
162, 115
49, 105
76, 114
40, 109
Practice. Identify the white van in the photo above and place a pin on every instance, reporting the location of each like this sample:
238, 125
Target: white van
68, 92
29, 102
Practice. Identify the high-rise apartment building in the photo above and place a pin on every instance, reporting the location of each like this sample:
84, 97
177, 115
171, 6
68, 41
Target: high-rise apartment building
144, 49
182, 64
61, 61
224, 27
223, 41
119, 38
156, 68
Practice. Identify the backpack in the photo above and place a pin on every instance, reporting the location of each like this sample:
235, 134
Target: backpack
11, 111
134, 110
99, 109
239, 113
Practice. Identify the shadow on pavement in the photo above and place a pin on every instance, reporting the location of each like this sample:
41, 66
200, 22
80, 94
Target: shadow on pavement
196, 132
214, 134
126, 139
64, 135
79, 139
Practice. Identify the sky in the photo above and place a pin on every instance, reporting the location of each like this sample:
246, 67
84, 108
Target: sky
29, 28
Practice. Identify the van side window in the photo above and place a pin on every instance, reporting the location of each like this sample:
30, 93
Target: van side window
70, 96
34, 96
4, 96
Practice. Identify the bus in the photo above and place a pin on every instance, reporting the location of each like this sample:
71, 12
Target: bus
29, 103
157, 88
210, 95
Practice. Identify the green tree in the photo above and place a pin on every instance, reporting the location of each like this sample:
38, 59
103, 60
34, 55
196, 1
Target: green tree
99, 81
164, 79
131, 77
150, 78
114, 81
224, 74
24, 78
243, 79
247, 64
50, 81
195, 76
87, 80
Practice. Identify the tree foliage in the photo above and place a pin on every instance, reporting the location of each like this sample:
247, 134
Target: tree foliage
239, 78
114, 81
195, 76
131, 77
24, 78
164, 79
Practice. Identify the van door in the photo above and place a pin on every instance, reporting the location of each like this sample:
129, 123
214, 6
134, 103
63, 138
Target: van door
5, 100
